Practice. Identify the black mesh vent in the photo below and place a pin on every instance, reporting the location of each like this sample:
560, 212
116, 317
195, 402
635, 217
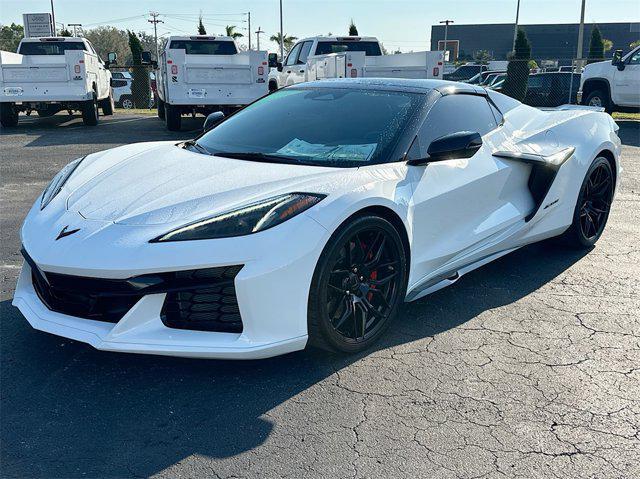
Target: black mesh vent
210, 308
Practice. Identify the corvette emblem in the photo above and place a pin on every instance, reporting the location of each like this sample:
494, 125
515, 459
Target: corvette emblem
65, 232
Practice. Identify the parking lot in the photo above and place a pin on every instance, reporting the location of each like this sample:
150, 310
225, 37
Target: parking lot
527, 367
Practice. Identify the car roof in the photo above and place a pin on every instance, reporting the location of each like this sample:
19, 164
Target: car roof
398, 84
349, 38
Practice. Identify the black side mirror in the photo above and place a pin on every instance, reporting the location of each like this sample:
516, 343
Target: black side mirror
279, 66
463, 144
146, 58
212, 120
273, 60
617, 60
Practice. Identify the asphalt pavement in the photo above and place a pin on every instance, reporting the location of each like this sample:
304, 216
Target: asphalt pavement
527, 367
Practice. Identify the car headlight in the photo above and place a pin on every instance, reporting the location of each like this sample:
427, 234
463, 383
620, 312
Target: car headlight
58, 182
248, 219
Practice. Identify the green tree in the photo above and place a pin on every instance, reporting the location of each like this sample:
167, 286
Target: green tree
65, 33
596, 46
608, 44
289, 41
632, 45
10, 36
110, 39
231, 32
515, 85
201, 29
140, 84
532, 64
353, 31
482, 57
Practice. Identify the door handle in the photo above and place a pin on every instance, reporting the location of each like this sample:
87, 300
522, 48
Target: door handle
288, 71
301, 71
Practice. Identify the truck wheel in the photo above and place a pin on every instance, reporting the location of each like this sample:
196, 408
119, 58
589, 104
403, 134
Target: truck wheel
8, 115
172, 117
107, 105
90, 112
273, 86
161, 109
598, 98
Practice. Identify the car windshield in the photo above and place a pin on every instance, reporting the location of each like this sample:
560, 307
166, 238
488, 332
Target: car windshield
370, 49
49, 47
204, 47
339, 127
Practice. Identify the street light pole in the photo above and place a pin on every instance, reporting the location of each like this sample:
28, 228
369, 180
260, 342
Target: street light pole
515, 28
446, 33
258, 33
281, 35
581, 31
249, 15
53, 19
155, 22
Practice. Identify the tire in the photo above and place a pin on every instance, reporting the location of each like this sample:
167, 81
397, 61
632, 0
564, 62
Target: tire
592, 207
107, 105
173, 117
126, 102
352, 320
598, 98
273, 86
8, 115
161, 111
90, 112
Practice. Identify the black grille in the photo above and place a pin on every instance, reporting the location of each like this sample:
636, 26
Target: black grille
202, 299
213, 307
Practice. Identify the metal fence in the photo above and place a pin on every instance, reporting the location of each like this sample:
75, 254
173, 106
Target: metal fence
133, 86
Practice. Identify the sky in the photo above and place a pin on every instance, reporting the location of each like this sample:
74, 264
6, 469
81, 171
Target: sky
400, 24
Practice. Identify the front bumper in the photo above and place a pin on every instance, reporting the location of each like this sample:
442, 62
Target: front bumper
272, 289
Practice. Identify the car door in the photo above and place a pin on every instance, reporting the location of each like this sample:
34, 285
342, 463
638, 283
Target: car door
460, 206
298, 70
288, 77
627, 82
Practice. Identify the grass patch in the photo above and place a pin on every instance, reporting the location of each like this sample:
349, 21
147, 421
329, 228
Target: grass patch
618, 115
136, 111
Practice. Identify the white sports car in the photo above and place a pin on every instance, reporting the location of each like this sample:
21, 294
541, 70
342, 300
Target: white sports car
308, 217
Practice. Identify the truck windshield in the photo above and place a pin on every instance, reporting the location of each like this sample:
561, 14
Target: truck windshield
49, 48
204, 47
370, 49
317, 126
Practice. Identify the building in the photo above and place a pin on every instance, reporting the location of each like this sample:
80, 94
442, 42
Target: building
548, 42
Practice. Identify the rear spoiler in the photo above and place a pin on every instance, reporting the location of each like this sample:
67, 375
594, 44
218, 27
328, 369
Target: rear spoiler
567, 107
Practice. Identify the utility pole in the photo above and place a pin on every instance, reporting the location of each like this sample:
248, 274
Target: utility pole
249, 16
74, 25
446, 32
515, 28
281, 36
581, 31
258, 33
155, 22
53, 19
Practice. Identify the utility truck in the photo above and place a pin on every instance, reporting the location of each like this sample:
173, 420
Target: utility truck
205, 74
322, 57
48, 75
612, 84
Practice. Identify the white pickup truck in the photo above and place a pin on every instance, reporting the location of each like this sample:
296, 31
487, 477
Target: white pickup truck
612, 84
321, 57
53, 74
204, 74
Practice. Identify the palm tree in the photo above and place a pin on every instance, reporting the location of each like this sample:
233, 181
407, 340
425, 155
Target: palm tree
288, 41
232, 33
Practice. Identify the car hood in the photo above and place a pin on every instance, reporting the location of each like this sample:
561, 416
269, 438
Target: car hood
161, 183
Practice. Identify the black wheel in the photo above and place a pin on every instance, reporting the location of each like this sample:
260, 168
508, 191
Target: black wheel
593, 206
8, 115
358, 285
598, 98
172, 117
90, 112
107, 105
161, 109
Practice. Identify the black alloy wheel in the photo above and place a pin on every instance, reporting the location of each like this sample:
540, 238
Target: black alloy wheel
593, 206
358, 286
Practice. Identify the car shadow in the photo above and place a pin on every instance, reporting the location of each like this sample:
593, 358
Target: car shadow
62, 129
70, 411
629, 132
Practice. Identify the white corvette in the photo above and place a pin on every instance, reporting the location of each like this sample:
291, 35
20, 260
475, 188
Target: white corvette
307, 217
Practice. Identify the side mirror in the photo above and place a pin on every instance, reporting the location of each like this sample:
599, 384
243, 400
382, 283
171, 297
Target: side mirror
146, 58
617, 60
279, 66
112, 59
273, 60
463, 144
212, 120
111, 83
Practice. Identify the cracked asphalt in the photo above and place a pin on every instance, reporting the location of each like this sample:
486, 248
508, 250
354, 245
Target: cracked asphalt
527, 367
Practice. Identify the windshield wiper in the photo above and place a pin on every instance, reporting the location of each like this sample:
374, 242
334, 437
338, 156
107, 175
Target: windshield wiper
256, 156
196, 146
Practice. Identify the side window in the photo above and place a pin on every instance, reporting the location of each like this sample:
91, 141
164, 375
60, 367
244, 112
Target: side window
293, 55
304, 53
634, 59
451, 114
